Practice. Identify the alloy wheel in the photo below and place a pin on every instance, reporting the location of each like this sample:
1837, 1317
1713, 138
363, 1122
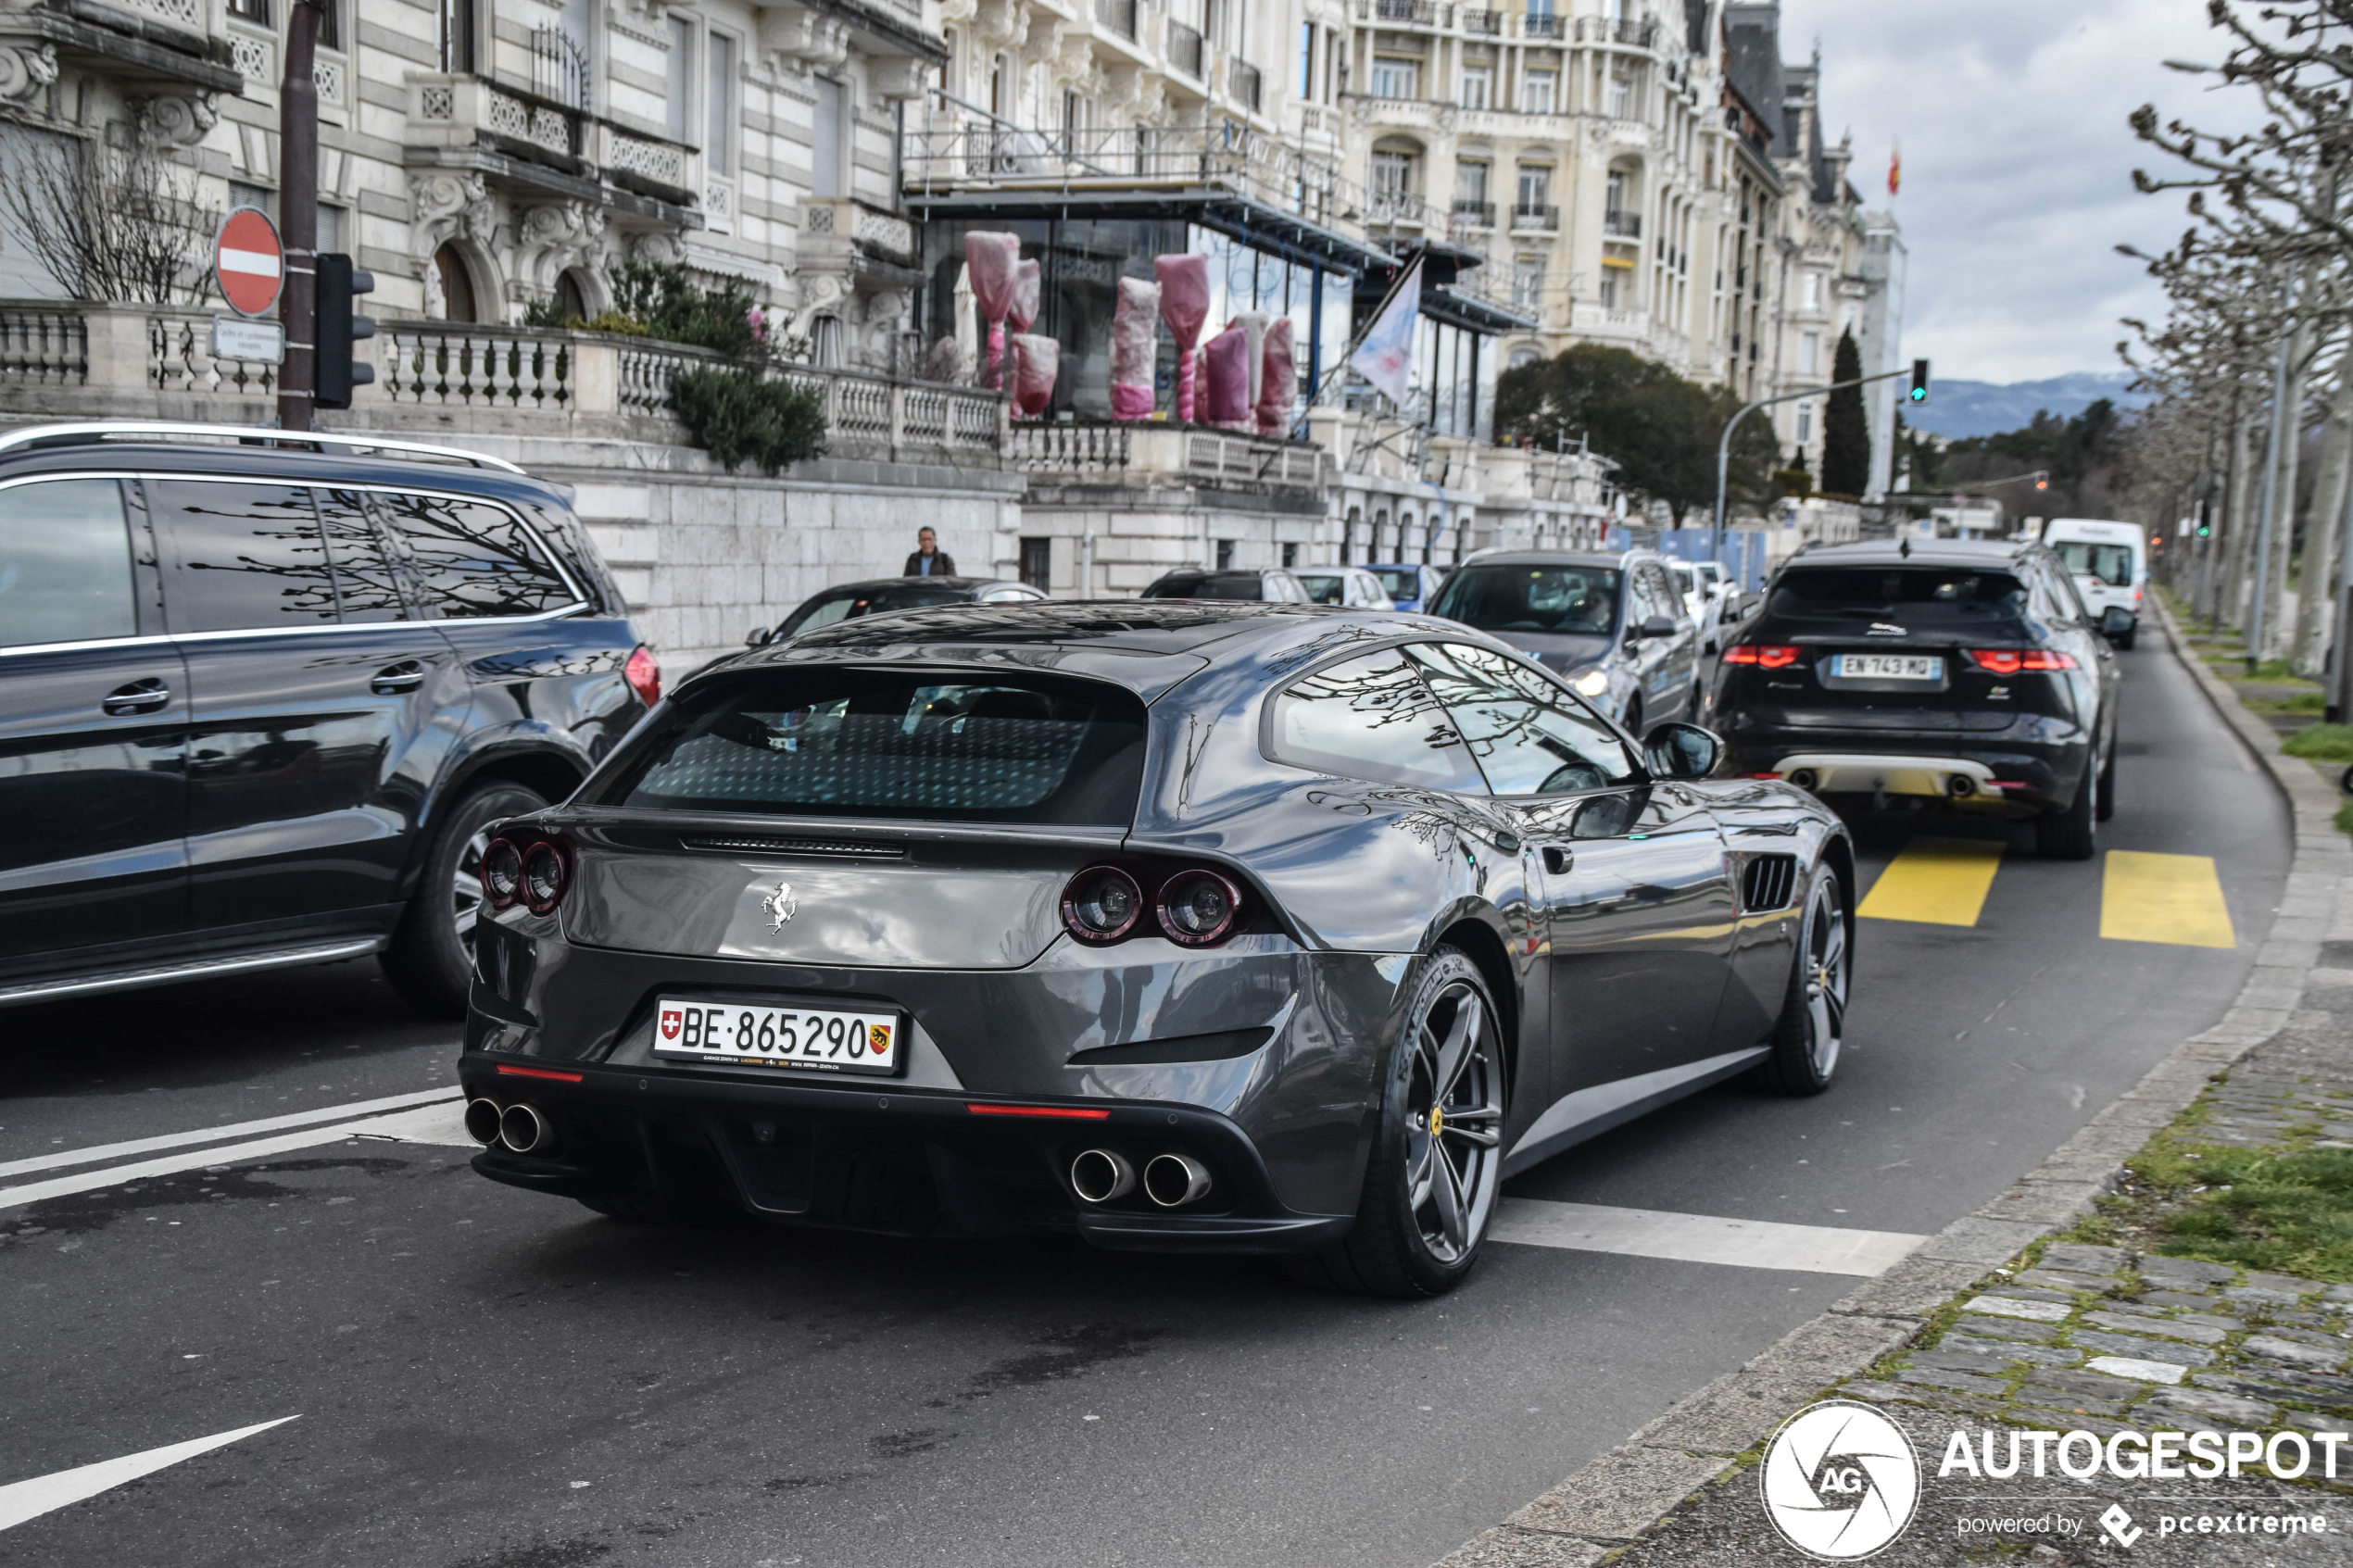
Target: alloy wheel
1454, 1123
1827, 979
465, 882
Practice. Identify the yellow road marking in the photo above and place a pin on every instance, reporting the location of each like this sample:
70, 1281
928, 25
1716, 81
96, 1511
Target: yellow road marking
1935, 881
2171, 898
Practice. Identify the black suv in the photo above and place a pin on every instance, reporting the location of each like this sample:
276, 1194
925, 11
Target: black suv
259, 702
1968, 672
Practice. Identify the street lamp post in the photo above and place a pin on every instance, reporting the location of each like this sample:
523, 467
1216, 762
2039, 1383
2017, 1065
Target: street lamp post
1724, 446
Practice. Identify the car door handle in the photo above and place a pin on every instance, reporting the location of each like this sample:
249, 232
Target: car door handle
393, 679
139, 697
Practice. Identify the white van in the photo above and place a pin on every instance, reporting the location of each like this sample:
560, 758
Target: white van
2111, 561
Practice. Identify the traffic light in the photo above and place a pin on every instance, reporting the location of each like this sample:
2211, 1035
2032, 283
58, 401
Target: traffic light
1919, 381
339, 329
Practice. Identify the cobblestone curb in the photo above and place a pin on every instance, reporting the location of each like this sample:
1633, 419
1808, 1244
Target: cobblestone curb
1622, 1494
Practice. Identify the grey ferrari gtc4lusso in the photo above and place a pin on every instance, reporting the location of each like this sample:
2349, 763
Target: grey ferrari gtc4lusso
1246, 927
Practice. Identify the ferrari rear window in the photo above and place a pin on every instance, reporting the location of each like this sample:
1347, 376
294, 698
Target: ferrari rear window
826, 741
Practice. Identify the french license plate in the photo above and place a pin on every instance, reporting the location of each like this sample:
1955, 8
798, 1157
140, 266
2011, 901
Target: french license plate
802, 1040
1888, 667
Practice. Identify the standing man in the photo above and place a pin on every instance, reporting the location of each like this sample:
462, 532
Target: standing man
929, 559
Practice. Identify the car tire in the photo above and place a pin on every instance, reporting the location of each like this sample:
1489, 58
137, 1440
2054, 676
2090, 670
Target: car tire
1433, 1180
429, 961
1811, 1031
2071, 834
2103, 806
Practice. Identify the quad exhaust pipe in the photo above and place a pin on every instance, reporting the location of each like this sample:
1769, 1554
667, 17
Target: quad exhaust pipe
521, 1128
1171, 1181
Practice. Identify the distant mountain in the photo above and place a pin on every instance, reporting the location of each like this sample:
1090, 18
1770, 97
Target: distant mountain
1960, 408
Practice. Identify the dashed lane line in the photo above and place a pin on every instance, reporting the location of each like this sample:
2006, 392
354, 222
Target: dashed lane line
46, 1494
1701, 1238
2175, 900
1935, 881
98, 1153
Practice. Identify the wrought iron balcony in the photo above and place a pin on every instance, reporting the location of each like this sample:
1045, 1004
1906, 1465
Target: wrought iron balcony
1535, 215
1487, 24
1183, 49
1243, 81
1118, 17
1541, 24
1622, 225
1473, 214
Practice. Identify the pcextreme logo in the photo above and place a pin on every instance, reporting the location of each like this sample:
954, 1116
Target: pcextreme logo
1840, 1480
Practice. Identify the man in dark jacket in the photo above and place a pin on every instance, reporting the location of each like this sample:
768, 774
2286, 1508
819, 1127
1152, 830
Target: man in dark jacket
929, 559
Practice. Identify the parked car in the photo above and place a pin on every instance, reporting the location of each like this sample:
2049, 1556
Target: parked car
260, 702
1272, 584
1352, 587
1190, 927
2109, 562
1612, 625
883, 596
1704, 598
1965, 672
1410, 587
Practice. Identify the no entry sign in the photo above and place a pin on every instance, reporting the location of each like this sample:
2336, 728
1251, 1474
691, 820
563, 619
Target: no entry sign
249, 261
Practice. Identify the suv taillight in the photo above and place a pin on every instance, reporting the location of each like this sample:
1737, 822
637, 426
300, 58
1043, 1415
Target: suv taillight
1765, 656
2013, 662
645, 674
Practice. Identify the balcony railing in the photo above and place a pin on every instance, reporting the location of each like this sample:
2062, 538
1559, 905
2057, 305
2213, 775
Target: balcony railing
1404, 13
1473, 214
955, 146
559, 66
1183, 49
1118, 17
1161, 453
1388, 209
1487, 24
1535, 215
1622, 225
1541, 24
1243, 81
1635, 33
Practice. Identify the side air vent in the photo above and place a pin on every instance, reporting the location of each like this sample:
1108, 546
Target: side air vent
1767, 882
837, 848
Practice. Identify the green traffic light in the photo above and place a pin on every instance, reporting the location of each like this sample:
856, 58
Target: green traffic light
1919, 395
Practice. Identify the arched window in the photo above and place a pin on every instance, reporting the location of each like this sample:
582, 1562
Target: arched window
572, 303
457, 285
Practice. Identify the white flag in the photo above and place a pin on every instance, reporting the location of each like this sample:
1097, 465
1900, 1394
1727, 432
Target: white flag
1386, 356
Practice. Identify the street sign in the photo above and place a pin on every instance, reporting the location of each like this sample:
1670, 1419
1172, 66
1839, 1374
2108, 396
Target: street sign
260, 343
249, 261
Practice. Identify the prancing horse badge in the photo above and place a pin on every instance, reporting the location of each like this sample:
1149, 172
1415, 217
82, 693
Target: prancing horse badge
780, 906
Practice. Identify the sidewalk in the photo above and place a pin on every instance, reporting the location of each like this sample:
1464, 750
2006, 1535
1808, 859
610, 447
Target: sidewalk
2074, 1302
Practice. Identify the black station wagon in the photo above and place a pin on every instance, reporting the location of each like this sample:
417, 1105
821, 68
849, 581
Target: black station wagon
258, 701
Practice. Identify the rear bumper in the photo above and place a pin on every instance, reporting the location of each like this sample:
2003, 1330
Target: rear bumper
2003, 774
878, 1155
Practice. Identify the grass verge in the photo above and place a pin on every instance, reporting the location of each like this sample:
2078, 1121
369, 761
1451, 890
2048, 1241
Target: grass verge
2321, 743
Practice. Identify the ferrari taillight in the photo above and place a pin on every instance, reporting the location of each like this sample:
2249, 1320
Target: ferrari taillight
546, 875
644, 671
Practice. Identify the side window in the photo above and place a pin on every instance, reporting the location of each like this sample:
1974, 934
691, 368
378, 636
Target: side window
365, 579
1642, 599
472, 558
65, 563
1669, 598
1529, 737
247, 557
1371, 718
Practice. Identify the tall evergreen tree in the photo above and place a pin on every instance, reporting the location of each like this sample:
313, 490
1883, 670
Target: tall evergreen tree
1847, 432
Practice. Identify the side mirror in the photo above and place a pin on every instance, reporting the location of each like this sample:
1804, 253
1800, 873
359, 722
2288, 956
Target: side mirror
1657, 626
1681, 751
760, 637
2115, 620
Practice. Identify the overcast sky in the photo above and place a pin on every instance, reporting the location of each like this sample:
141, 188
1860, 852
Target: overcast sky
2017, 162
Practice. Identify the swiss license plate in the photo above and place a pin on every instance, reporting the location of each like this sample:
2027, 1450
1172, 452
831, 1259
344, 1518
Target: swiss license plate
1888, 667
803, 1039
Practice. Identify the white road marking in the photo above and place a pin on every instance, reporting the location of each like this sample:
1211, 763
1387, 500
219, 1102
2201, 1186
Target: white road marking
42, 1494
1699, 1238
440, 1123
96, 1153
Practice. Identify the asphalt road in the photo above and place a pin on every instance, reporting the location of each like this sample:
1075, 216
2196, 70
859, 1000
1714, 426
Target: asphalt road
491, 1379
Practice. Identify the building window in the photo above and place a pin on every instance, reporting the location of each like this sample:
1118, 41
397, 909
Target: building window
1536, 92
1000, 87
1528, 283
1523, 355
679, 80
1478, 86
719, 103
1225, 555
1290, 555
1805, 423
255, 11
1813, 291
330, 24
1621, 98
828, 136
260, 197
1535, 187
456, 285
1397, 79
330, 231
1307, 62
1608, 290
1809, 353
1348, 534
1037, 564
453, 35
1470, 188
1393, 176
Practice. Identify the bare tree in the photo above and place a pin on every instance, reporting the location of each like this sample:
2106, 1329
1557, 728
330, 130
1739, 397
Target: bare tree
107, 223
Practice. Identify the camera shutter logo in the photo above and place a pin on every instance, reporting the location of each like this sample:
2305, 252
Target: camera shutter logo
1840, 1480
